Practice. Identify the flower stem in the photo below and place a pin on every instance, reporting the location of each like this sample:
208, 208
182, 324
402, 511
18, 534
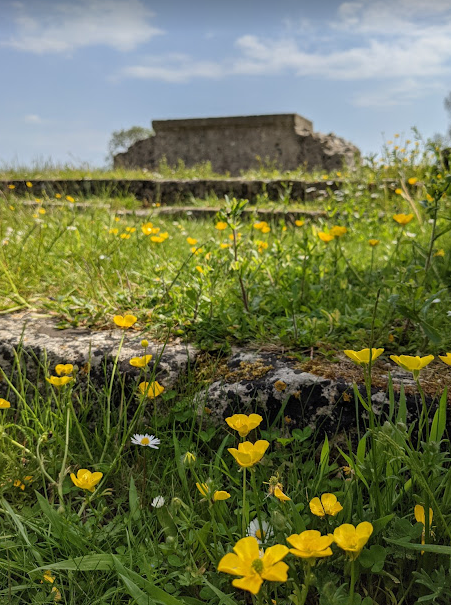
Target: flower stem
306, 585
351, 587
243, 514
257, 502
63, 464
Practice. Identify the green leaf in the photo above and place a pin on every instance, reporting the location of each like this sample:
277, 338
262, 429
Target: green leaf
133, 500
439, 421
324, 457
61, 530
435, 548
89, 562
302, 435
359, 397
138, 587
222, 596
402, 407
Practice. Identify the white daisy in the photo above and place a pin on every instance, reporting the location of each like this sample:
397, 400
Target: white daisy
263, 534
157, 502
149, 440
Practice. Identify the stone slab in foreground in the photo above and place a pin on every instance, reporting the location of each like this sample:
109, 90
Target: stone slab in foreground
42, 341
273, 384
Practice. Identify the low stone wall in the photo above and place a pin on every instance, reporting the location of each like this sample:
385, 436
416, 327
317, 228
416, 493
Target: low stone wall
172, 192
239, 143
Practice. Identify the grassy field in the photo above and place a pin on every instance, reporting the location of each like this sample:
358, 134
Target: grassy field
94, 511
249, 281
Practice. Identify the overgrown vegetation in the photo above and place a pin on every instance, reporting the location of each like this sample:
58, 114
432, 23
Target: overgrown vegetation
126, 493
96, 510
232, 279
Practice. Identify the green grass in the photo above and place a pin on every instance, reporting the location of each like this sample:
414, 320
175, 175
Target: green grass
285, 286
114, 546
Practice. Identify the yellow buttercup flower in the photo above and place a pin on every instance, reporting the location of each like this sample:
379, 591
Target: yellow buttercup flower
260, 225
440, 252
363, 356
412, 180
412, 364
140, 362
244, 424
352, 539
85, 479
59, 381
429, 197
58, 196
328, 505
221, 495
248, 454
28, 184
373, 242
200, 269
64, 368
278, 493
446, 359
266, 229
398, 191
221, 225
325, 237
151, 389
403, 219
191, 241
338, 231
69, 198
4, 404
147, 228
11, 186
113, 231
311, 544
253, 565
299, 223
125, 321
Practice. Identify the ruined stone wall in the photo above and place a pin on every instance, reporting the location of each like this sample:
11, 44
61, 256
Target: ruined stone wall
235, 144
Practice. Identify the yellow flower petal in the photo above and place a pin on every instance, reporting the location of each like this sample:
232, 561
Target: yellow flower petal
330, 504
221, 495
446, 359
280, 495
316, 507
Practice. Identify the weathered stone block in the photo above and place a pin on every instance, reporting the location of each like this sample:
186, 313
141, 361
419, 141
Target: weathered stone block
239, 143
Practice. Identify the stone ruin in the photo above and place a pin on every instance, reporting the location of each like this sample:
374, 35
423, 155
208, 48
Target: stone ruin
240, 143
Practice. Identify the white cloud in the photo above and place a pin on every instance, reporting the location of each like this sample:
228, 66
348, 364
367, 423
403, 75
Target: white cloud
173, 68
404, 40
67, 25
32, 118
402, 93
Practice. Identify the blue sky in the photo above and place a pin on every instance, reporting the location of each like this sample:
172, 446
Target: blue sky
72, 71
